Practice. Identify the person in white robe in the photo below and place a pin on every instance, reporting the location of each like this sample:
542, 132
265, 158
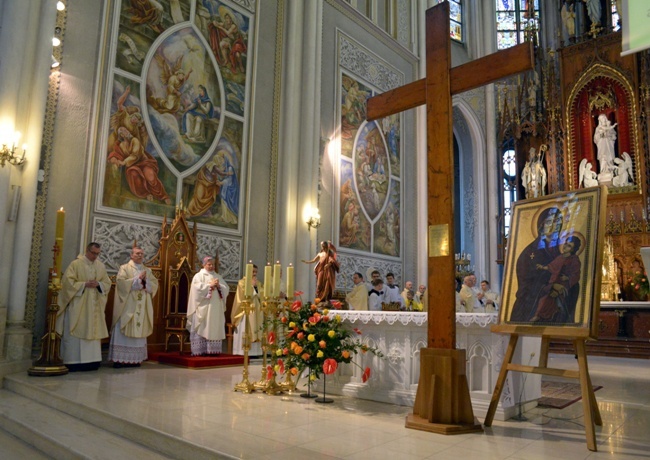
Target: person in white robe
490, 299
470, 297
132, 312
357, 298
82, 302
408, 286
376, 295
206, 310
422, 297
392, 294
255, 318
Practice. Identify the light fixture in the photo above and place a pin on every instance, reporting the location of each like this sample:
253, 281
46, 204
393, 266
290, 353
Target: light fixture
56, 41
60, 5
55, 63
313, 220
8, 155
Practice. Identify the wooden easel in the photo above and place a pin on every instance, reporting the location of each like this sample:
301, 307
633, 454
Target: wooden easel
591, 412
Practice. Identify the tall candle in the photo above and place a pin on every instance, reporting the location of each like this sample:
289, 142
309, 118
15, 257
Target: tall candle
268, 280
58, 238
276, 279
248, 285
290, 281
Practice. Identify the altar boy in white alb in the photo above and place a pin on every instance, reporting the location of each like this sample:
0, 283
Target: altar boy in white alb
132, 312
206, 310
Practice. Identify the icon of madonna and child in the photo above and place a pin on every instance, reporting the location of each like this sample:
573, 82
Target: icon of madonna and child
548, 273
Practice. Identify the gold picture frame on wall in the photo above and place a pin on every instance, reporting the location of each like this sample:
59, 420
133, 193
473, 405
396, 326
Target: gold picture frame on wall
553, 265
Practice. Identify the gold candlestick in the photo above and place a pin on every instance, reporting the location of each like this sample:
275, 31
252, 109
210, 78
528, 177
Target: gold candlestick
50, 362
272, 387
245, 386
261, 384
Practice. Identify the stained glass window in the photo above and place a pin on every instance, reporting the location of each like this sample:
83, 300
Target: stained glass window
456, 19
513, 17
509, 185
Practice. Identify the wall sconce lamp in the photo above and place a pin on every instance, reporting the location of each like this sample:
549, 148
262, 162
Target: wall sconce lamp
8, 155
314, 219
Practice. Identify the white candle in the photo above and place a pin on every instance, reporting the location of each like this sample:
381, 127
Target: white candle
290, 281
248, 284
276, 279
58, 238
268, 280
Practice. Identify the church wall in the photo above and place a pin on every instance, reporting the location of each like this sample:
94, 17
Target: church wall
357, 51
71, 153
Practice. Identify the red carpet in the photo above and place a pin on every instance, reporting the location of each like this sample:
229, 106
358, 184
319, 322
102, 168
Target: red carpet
186, 360
559, 395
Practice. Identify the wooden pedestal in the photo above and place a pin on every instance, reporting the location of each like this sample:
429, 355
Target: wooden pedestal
442, 402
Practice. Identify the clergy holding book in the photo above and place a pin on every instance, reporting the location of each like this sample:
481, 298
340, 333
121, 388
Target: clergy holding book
80, 320
206, 310
132, 312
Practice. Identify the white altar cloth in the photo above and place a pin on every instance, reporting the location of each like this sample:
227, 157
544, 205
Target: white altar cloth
401, 335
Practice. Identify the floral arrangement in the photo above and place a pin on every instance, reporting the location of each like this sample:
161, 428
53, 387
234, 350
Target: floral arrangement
639, 285
316, 339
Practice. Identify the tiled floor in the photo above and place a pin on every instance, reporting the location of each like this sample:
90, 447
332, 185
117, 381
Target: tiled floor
200, 406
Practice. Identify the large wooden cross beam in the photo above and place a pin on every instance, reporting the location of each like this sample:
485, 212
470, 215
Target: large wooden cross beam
436, 91
445, 369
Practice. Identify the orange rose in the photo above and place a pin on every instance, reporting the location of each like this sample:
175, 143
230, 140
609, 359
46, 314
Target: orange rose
298, 349
322, 344
294, 371
345, 354
305, 356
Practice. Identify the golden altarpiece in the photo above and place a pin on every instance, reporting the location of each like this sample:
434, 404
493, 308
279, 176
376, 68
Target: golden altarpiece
551, 116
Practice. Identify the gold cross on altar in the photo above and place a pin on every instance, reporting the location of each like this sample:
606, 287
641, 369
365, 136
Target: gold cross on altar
442, 403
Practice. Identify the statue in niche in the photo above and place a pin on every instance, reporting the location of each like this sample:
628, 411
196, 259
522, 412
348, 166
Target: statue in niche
623, 171
588, 177
533, 176
605, 138
593, 10
569, 17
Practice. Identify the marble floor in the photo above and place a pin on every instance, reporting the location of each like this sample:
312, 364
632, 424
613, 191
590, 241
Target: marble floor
201, 407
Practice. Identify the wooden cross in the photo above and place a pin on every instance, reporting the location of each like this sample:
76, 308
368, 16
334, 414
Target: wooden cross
436, 91
442, 402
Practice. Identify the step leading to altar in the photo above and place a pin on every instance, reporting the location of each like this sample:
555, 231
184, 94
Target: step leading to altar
401, 335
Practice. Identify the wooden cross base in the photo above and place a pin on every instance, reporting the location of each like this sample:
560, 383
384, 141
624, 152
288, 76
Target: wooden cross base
442, 402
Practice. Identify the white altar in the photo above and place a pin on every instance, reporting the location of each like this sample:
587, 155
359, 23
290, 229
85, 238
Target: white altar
401, 335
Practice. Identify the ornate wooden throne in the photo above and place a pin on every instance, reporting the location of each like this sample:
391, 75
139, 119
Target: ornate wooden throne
174, 265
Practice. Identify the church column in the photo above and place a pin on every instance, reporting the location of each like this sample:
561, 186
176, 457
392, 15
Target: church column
26, 30
300, 139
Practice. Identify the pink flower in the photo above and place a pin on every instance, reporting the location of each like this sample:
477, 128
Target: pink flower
313, 320
281, 364
336, 304
296, 306
270, 338
298, 293
301, 335
329, 366
269, 372
356, 329
366, 375
325, 319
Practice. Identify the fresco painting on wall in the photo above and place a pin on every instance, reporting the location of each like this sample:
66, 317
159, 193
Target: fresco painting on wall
213, 193
354, 225
370, 186
135, 179
353, 111
227, 31
179, 96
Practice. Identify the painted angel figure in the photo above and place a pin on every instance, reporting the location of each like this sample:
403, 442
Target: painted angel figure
588, 177
173, 77
623, 171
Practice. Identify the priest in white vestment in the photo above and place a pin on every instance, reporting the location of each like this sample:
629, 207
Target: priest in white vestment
82, 302
357, 298
490, 299
206, 310
470, 297
132, 312
255, 318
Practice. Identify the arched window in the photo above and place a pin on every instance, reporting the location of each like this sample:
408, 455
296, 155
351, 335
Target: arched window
509, 186
514, 17
456, 18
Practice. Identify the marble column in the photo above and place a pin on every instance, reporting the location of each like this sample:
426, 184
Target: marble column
300, 141
26, 31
